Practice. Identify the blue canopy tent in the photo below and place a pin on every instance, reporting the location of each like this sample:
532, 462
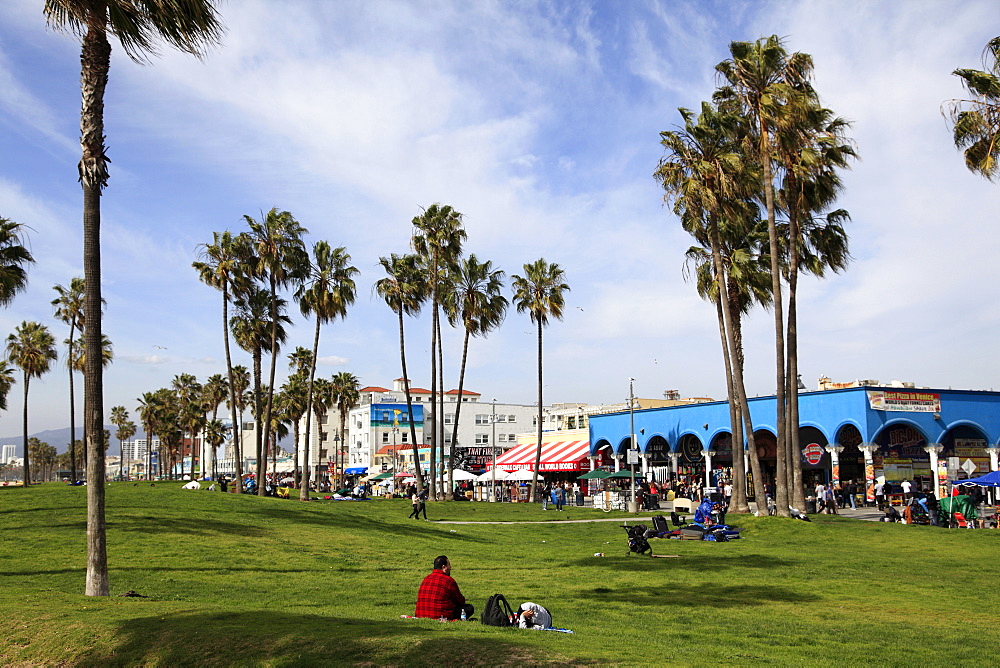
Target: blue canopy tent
991, 479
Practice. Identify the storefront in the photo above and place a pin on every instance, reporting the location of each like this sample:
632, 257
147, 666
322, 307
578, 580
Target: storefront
853, 434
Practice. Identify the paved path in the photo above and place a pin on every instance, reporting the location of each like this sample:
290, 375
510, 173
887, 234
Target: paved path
866, 514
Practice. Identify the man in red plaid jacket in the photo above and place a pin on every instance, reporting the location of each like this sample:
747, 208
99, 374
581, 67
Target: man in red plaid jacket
439, 596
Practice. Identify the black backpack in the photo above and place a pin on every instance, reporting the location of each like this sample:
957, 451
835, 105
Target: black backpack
497, 612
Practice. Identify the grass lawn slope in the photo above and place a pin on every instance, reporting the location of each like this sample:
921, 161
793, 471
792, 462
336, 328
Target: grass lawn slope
240, 580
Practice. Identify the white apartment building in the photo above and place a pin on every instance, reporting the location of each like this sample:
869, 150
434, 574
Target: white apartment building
376, 423
9, 453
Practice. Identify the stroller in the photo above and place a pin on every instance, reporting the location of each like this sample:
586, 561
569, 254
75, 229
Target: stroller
916, 513
637, 539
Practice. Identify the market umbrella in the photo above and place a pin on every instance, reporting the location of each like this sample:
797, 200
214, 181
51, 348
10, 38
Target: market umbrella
596, 474
461, 474
625, 473
488, 476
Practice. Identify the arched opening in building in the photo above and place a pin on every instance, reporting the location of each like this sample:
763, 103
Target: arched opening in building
852, 460
767, 453
658, 458
691, 464
961, 444
901, 456
814, 459
602, 450
658, 451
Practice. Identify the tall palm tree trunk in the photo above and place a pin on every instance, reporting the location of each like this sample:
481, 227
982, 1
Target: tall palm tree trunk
237, 427
95, 61
270, 383
306, 477
738, 503
458, 408
409, 408
72, 406
796, 491
258, 418
441, 399
27, 462
781, 475
437, 416
737, 364
538, 445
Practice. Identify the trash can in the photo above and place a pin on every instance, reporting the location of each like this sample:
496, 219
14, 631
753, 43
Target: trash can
811, 505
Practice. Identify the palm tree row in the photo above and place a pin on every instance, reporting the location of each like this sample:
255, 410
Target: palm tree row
251, 269
29, 348
753, 177
470, 293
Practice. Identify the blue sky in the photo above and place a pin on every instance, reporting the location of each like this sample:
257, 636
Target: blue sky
540, 122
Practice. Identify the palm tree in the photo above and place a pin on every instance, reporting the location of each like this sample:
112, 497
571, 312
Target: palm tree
811, 147
437, 239
213, 393
705, 174
764, 80
326, 293
31, 348
976, 121
189, 397
6, 382
279, 259
322, 401
239, 393
214, 433
77, 362
69, 309
221, 267
345, 389
119, 416
124, 433
476, 300
294, 405
540, 293
148, 406
14, 258
251, 327
404, 292
188, 25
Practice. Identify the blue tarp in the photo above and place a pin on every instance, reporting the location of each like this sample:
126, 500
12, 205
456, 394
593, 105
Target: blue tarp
991, 479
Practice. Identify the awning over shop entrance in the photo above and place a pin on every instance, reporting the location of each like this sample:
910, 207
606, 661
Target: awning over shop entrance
556, 456
357, 470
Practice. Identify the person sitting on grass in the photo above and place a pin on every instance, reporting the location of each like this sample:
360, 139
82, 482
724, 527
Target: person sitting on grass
439, 596
704, 513
533, 616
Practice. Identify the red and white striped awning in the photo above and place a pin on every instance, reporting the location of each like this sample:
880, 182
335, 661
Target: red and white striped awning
556, 456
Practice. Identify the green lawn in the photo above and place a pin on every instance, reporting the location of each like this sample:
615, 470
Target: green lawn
249, 581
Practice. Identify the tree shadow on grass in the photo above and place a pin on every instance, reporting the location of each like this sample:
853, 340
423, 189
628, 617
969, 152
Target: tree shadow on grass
698, 595
227, 638
200, 526
697, 562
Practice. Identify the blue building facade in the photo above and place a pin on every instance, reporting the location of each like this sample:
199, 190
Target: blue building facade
846, 434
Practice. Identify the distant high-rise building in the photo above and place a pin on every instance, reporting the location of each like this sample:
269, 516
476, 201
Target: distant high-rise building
9, 453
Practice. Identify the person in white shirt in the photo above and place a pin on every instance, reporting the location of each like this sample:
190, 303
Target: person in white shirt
533, 616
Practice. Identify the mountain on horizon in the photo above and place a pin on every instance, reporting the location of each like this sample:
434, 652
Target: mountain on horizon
59, 438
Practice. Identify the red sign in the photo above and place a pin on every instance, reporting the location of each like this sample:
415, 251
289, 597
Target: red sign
813, 453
